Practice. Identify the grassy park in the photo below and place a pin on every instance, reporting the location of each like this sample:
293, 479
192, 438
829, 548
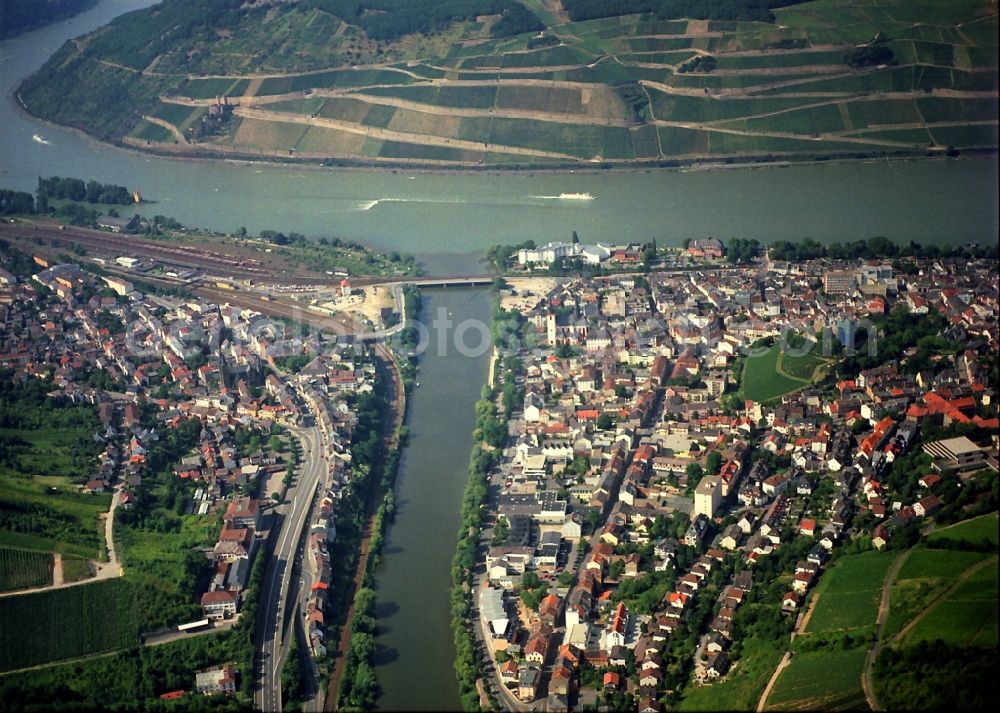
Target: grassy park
773, 373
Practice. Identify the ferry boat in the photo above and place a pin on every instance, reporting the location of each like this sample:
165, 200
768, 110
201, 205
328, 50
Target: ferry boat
576, 197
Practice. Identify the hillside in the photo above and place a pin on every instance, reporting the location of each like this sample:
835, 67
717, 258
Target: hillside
477, 82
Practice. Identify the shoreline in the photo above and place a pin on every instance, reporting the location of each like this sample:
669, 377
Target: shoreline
722, 163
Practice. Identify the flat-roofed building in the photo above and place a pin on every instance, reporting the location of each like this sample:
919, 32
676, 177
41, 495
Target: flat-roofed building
492, 611
707, 496
956, 454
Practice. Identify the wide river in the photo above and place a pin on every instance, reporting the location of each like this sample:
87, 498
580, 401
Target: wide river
447, 220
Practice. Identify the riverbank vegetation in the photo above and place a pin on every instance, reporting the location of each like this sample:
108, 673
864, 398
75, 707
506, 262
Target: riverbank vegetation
488, 436
648, 82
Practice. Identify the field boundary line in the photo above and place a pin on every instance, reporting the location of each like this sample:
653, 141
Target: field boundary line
936, 601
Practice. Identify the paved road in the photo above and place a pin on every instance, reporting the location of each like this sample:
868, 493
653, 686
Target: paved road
272, 636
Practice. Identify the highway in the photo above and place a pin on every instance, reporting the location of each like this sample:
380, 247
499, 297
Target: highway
274, 631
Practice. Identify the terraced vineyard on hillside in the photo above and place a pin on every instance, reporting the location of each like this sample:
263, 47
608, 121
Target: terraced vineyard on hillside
827, 78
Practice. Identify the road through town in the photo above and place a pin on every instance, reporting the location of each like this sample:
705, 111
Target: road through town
272, 636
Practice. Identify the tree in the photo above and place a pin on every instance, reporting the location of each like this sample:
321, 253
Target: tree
714, 462
605, 422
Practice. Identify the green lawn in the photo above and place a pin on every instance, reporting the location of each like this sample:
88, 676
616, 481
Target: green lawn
20, 569
802, 366
761, 380
742, 688
849, 592
821, 680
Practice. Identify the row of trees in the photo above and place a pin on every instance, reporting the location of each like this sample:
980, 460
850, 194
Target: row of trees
873, 248
492, 428
75, 189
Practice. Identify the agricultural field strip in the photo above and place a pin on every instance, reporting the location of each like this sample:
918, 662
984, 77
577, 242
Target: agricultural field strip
861, 140
502, 113
390, 135
934, 603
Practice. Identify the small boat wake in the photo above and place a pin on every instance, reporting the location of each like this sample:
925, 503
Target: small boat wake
567, 197
38, 138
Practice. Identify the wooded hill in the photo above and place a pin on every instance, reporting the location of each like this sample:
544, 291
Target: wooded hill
533, 82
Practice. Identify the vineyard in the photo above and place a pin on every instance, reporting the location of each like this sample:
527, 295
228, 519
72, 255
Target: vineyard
20, 569
65, 623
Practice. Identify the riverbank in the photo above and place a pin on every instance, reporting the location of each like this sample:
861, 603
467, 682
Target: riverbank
720, 163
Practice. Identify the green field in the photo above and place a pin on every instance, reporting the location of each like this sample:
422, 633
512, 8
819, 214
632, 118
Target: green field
148, 131
848, 593
803, 366
976, 530
924, 576
966, 616
820, 680
76, 568
761, 380
742, 687
42, 506
20, 569
65, 623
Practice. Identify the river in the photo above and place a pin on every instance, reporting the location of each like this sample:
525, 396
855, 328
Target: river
414, 659
447, 220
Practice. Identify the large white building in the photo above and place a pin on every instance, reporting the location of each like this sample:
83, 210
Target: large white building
550, 252
707, 496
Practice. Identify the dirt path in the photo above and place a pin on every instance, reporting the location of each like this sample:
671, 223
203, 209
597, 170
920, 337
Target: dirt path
559, 118
57, 570
785, 660
809, 613
883, 611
